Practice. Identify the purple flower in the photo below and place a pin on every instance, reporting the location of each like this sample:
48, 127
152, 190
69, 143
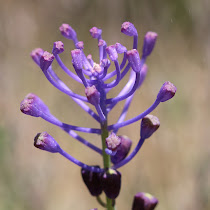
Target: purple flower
149, 43
46, 142
97, 81
166, 92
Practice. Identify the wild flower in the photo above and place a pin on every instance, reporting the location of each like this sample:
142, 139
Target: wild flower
93, 78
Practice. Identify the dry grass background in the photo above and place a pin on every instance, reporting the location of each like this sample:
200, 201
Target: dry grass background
173, 165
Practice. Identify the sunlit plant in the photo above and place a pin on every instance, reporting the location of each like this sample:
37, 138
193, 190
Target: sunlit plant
93, 76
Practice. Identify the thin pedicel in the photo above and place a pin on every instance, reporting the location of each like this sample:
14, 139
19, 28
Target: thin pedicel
93, 78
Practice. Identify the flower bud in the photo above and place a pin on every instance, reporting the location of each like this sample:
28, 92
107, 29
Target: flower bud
122, 150
46, 60
149, 43
113, 142
111, 51
33, 105
101, 42
111, 183
77, 58
93, 181
80, 45
105, 63
36, 55
58, 48
129, 29
166, 92
92, 94
46, 142
144, 201
95, 32
120, 48
68, 32
134, 60
149, 125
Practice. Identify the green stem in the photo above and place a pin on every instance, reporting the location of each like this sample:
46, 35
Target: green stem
106, 160
101, 202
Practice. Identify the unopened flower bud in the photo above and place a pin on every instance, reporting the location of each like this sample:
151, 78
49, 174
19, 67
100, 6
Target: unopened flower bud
122, 150
93, 181
101, 42
149, 43
58, 48
46, 60
68, 32
46, 142
166, 92
80, 45
129, 29
77, 58
32, 105
134, 60
111, 51
113, 142
120, 48
144, 201
111, 183
95, 32
149, 125
36, 55
105, 63
92, 94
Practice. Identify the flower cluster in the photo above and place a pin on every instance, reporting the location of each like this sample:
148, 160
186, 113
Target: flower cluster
93, 77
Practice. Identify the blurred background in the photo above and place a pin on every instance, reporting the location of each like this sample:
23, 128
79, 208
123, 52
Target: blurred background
173, 164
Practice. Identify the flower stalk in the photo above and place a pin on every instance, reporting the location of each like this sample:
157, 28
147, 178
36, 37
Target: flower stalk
93, 78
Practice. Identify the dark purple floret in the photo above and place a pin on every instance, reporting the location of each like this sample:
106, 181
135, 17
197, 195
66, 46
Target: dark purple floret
95, 33
46, 142
166, 92
46, 60
111, 183
129, 29
58, 48
33, 105
144, 201
68, 32
92, 94
122, 150
149, 125
36, 55
134, 60
149, 43
120, 48
93, 181
113, 142
111, 51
